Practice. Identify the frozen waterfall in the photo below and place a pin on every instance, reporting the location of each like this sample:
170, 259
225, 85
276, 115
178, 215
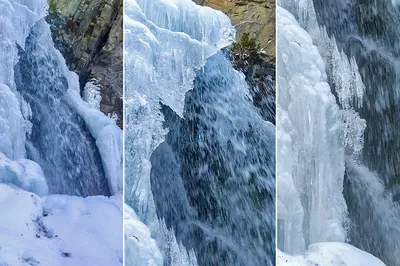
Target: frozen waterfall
46, 127
52, 142
337, 198
195, 145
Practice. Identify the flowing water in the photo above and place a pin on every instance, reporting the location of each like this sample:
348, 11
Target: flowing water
44, 122
60, 140
223, 158
200, 158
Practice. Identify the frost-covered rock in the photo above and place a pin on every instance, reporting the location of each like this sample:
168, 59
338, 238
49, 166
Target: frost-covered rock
329, 254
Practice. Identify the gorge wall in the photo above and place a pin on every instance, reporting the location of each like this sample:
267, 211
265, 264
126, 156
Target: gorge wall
89, 35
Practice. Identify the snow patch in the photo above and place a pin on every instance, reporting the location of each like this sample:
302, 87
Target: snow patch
59, 230
329, 254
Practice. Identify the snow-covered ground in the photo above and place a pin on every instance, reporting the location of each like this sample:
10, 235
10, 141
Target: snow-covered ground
37, 228
329, 254
59, 230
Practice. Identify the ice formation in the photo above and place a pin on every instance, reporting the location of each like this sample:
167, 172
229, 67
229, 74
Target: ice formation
23, 173
155, 32
150, 45
311, 160
173, 47
107, 134
359, 200
91, 94
218, 156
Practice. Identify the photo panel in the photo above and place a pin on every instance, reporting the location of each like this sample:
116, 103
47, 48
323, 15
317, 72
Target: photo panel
61, 105
337, 133
199, 132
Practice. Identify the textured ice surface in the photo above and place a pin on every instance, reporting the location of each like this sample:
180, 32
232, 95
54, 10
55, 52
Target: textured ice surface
342, 74
53, 136
329, 254
161, 64
165, 43
16, 20
311, 154
60, 140
23, 173
375, 49
107, 134
140, 248
12, 132
59, 230
361, 188
15, 23
152, 77
91, 94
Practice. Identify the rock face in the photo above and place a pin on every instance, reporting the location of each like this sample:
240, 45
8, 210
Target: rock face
89, 35
256, 17
254, 20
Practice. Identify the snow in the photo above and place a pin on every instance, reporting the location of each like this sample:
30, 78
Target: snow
59, 230
329, 254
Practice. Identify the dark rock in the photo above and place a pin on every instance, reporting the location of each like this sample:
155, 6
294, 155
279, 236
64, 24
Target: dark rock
90, 37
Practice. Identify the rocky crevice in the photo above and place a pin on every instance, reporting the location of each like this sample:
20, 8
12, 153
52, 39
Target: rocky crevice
89, 35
